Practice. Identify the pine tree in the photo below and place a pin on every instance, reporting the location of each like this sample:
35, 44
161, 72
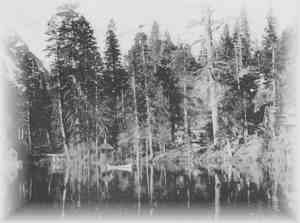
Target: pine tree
243, 59
112, 52
183, 65
148, 84
170, 81
155, 45
145, 89
283, 52
212, 84
241, 37
159, 101
245, 37
76, 63
269, 65
116, 82
286, 62
269, 43
236, 30
38, 99
226, 48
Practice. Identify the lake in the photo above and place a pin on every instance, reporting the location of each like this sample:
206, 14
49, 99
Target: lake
164, 190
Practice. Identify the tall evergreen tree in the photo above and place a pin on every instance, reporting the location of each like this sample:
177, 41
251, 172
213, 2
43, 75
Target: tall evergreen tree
284, 47
241, 37
226, 45
76, 63
38, 100
147, 89
116, 81
112, 52
245, 35
269, 42
170, 82
155, 44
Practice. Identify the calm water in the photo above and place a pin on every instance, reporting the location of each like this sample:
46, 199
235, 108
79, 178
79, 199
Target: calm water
164, 190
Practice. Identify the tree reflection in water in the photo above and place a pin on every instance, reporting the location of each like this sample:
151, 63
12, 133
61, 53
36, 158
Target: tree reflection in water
219, 190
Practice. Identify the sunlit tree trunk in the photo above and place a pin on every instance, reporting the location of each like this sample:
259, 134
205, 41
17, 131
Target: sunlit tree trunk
239, 65
273, 114
248, 190
49, 184
123, 105
149, 131
78, 204
29, 125
62, 128
245, 117
274, 198
188, 191
136, 134
60, 116
229, 175
214, 109
185, 112
212, 84
217, 196
151, 183
147, 167
96, 134
64, 194
48, 137
245, 132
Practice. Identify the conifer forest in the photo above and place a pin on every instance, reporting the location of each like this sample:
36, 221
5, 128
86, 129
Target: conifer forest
168, 127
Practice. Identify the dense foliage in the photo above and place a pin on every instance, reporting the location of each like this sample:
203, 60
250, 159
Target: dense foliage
159, 97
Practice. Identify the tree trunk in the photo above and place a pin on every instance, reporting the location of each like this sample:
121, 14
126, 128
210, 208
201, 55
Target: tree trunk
274, 107
274, 198
149, 131
61, 124
136, 134
212, 84
239, 65
123, 106
60, 115
48, 138
151, 183
96, 134
245, 117
29, 127
214, 109
217, 197
185, 114
64, 194
147, 167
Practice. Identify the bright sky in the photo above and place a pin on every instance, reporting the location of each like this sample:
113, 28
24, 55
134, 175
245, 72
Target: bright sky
29, 17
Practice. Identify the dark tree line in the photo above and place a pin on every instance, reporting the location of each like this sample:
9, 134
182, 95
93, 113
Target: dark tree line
157, 97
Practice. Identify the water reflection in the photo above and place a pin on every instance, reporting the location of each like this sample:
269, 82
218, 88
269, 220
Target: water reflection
161, 189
